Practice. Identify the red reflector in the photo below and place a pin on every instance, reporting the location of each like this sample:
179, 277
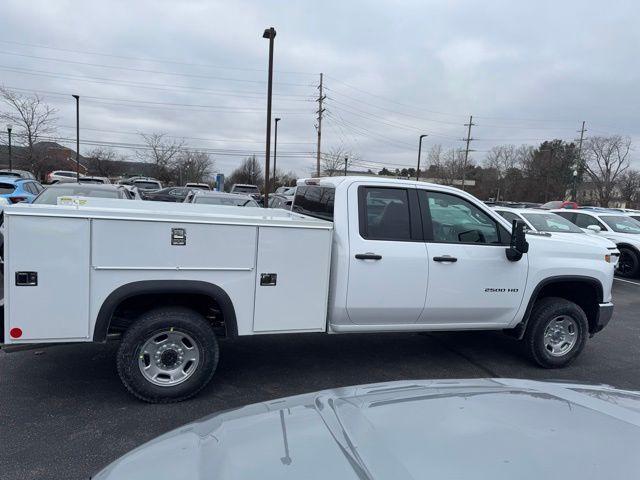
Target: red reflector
15, 332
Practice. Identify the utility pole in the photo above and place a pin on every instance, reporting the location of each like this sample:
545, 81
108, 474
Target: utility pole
270, 34
321, 98
466, 151
577, 173
346, 162
77, 97
419, 153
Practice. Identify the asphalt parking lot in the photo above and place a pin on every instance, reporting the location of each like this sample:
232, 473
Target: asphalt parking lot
65, 414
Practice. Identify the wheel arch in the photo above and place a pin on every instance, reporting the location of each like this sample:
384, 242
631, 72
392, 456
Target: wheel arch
569, 287
170, 291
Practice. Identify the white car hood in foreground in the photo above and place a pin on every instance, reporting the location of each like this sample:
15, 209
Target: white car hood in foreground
465, 429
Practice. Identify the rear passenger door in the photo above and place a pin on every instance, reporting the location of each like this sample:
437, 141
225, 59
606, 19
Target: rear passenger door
471, 282
388, 267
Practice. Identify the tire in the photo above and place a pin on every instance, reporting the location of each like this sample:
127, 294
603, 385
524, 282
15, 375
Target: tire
628, 264
554, 316
168, 355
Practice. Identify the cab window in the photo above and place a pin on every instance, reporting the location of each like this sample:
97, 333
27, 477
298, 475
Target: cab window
456, 220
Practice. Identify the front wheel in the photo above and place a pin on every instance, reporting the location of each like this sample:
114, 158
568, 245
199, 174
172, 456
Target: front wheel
169, 354
628, 264
556, 333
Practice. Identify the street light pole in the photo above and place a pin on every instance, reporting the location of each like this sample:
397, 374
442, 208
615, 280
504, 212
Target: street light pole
9, 128
419, 153
270, 34
77, 97
275, 151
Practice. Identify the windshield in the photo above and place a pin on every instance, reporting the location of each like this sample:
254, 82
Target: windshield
550, 222
228, 201
50, 195
621, 224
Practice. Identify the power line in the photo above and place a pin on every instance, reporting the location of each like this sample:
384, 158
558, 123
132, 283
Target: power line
156, 72
148, 59
129, 83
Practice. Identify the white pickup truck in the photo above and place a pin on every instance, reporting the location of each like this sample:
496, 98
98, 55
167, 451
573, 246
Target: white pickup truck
357, 254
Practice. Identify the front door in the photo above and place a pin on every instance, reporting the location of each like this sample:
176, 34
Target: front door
471, 282
388, 267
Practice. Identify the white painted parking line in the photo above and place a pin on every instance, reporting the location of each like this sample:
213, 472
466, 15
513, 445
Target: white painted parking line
626, 281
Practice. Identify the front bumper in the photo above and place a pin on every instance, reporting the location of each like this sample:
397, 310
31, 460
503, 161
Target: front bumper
603, 315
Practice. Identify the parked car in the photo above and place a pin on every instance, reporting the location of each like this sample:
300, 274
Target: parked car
51, 194
620, 228
169, 194
423, 429
197, 186
60, 175
558, 204
144, 184
280, 201
5, 172
18, 189
170, 280
133, 192
252, 190
544, 221
220, 198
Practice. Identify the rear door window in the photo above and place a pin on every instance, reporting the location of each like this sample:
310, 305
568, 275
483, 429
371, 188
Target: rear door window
386, 214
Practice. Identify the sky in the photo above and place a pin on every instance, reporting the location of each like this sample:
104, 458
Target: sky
393, 70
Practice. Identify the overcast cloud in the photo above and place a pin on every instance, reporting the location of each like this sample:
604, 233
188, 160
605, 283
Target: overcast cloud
526, 71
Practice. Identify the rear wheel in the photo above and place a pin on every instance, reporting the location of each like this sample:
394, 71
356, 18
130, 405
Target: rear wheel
168, 355
629, 263
556, 333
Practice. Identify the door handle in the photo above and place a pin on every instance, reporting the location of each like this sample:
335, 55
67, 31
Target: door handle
445, 258
368, 256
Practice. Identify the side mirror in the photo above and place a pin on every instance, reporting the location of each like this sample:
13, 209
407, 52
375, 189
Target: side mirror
594, 228
519, 244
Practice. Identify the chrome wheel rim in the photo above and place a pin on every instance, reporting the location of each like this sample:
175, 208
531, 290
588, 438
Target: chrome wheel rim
168, 358
561, 335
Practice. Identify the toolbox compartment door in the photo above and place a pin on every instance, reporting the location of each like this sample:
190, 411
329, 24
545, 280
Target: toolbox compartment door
47, 278
292, 280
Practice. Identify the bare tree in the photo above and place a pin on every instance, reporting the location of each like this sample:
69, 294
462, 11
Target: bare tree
160, 151
333, 162
102, 161
32, 119
249, 172
193, 166
607, 158
629, 187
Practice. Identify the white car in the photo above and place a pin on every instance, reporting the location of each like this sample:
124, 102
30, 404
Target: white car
544, 221
61, 176
618, 227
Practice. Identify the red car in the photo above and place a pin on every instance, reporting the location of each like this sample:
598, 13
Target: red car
559, 204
